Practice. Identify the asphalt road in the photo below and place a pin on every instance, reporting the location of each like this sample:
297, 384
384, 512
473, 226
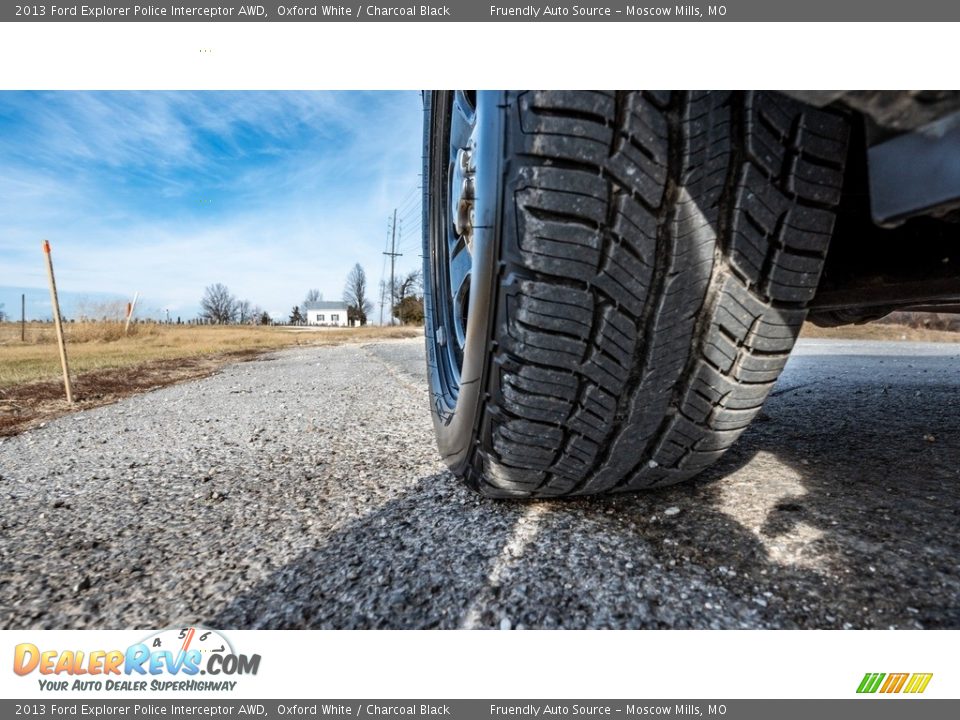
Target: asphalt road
303, 490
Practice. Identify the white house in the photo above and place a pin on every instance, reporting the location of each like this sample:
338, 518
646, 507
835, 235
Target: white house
333, 314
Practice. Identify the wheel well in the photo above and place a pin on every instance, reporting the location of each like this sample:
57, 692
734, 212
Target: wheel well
871, 271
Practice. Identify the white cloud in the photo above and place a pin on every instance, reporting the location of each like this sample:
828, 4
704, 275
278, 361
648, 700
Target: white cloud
300, 219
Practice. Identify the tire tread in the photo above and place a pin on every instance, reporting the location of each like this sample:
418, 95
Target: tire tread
659, 251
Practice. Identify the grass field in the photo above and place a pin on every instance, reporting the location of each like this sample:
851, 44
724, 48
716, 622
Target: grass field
106, 365
103, 346
100, 346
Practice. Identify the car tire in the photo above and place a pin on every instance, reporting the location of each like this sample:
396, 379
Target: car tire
615, 280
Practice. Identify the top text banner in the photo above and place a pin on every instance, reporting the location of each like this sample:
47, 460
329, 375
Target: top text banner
480, 11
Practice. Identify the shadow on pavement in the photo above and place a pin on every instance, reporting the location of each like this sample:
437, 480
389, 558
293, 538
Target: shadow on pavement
838, 508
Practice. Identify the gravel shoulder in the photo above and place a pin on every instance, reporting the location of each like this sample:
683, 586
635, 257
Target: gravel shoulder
303, 489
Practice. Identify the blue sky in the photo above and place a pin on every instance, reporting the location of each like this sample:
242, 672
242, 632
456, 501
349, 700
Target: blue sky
270, 193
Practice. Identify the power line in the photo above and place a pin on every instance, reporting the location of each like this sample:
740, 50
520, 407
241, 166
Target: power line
409, 238
409, 195
410, 231
414, 205
404, 212
409, 245
414, 212
411, 219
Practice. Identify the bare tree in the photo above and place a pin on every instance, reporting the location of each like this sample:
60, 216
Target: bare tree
355, 295
313, 295
244, 311
3, 315
101, 310
218, 305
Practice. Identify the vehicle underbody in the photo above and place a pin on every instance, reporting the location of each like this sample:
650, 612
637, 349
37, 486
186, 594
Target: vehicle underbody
895, 242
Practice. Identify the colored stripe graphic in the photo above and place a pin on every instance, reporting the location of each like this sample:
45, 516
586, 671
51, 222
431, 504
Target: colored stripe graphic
918, 682
870, 682
895, 683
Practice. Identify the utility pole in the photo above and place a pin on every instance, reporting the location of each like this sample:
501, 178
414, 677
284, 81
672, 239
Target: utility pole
393, 257
383, 289
383, 281
23, 317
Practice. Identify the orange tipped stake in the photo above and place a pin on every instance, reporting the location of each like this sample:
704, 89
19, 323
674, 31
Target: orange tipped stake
58, 322
131, 306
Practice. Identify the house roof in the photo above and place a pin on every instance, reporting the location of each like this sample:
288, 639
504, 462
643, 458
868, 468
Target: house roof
324, 305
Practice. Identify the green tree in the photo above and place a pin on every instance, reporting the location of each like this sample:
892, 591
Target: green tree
410, 310
406, 297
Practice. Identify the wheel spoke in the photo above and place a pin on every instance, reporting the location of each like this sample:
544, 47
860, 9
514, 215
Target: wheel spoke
461, 264
462, 122
455, 243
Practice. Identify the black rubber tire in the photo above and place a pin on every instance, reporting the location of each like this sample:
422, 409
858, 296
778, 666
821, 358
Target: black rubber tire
651, 257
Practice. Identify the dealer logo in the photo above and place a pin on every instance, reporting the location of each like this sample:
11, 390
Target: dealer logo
181, 653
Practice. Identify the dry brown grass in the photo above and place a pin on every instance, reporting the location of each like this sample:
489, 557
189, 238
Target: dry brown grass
106, 365
879, 331
102, 345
